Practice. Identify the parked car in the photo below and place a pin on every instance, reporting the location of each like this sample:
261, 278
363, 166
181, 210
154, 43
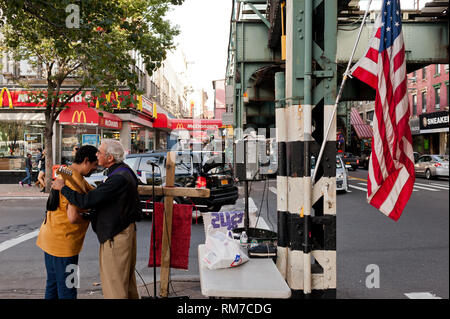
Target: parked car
350, 160
431, 166
364, 159
416, 156
192, 169
341, 173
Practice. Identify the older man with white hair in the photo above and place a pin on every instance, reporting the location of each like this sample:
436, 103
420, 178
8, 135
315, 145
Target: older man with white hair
116, 208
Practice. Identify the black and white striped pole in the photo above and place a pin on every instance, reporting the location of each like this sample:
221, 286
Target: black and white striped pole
282, 182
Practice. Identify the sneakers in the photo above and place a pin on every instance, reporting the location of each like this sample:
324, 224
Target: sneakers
20, 183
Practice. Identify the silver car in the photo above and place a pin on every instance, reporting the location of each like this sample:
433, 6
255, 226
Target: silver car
431, 166
341, 174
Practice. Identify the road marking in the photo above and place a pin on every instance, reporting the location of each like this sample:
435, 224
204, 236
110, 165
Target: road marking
426, 188
443, 185
356, 187
273, 190
432, 185
357, 178
421, 295
414, 190
251, 205
15, 241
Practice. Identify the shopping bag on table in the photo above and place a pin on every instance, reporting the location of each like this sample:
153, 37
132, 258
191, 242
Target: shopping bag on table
222, 251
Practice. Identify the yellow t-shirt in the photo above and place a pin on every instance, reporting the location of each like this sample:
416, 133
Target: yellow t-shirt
57, 236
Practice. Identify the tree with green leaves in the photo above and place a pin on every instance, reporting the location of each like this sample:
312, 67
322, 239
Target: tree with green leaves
87, 45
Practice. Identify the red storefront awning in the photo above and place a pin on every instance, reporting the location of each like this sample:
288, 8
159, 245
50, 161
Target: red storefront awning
362, 130
89, 116
161, 121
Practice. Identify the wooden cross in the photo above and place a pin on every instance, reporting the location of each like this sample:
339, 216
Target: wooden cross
169, 192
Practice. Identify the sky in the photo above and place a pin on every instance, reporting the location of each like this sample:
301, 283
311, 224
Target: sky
204, 26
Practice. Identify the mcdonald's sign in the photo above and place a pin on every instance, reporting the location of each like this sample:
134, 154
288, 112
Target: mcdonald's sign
89, 116
108, 99
8, 94
78, 115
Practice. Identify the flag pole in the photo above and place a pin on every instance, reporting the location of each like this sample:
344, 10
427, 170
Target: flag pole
338, 97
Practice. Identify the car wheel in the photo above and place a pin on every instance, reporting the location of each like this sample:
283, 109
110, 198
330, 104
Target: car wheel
428, 174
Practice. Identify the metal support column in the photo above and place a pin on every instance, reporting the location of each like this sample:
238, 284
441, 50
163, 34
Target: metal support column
308, 227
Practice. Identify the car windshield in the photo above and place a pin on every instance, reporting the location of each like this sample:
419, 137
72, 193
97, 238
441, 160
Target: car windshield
338, 163
440, 158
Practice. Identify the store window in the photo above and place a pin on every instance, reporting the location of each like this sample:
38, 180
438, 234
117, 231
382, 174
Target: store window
137, 139
74, 135
17, 139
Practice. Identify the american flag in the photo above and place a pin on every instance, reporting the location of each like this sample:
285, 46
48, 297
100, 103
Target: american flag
391, 168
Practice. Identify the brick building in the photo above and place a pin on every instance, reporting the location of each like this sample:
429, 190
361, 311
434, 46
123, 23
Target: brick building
428, 93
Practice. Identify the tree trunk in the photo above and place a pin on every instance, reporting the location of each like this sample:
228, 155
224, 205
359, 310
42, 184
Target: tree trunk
48, 134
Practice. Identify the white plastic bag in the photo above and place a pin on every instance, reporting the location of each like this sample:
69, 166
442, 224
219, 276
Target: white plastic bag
222, 251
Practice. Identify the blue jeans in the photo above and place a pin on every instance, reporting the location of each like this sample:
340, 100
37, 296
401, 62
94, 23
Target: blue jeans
56, 287
28, 178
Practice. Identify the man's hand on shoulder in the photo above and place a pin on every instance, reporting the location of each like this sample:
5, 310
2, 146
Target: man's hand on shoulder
58, 184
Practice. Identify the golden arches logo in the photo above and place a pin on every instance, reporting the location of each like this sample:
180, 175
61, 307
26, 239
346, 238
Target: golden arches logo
179, 125
108, 99
79, 114
9, 97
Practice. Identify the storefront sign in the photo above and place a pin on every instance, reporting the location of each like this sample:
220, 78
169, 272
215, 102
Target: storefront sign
37, 98
434, 122
90, 139
8, 94
201, 125
89, 116
110, 123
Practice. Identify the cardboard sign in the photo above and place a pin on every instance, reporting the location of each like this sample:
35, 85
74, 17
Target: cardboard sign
223, 221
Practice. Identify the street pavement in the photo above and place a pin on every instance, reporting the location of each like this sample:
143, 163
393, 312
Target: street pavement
411, 255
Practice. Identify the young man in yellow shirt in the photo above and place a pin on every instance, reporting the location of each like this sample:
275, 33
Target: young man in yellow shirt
62, 233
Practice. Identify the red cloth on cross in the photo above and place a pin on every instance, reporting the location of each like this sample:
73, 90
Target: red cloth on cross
181, 235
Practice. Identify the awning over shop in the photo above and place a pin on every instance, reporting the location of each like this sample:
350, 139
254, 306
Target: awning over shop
161, 121
362, 130
89, 116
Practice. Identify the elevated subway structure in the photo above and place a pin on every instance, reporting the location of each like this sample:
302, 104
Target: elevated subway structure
285, 63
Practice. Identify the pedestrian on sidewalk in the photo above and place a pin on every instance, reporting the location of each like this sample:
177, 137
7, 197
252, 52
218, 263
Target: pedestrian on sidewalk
28, 171
62, 233
116, 209
40, 163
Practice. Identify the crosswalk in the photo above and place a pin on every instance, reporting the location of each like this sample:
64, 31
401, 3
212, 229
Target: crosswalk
418, 186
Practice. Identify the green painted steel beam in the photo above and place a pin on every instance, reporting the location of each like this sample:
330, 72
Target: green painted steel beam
425, 43
256, 11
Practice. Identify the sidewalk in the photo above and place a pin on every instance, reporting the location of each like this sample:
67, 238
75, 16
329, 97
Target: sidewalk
15, 191
178, 287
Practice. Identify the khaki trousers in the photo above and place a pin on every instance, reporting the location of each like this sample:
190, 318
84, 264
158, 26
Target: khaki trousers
117, 263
